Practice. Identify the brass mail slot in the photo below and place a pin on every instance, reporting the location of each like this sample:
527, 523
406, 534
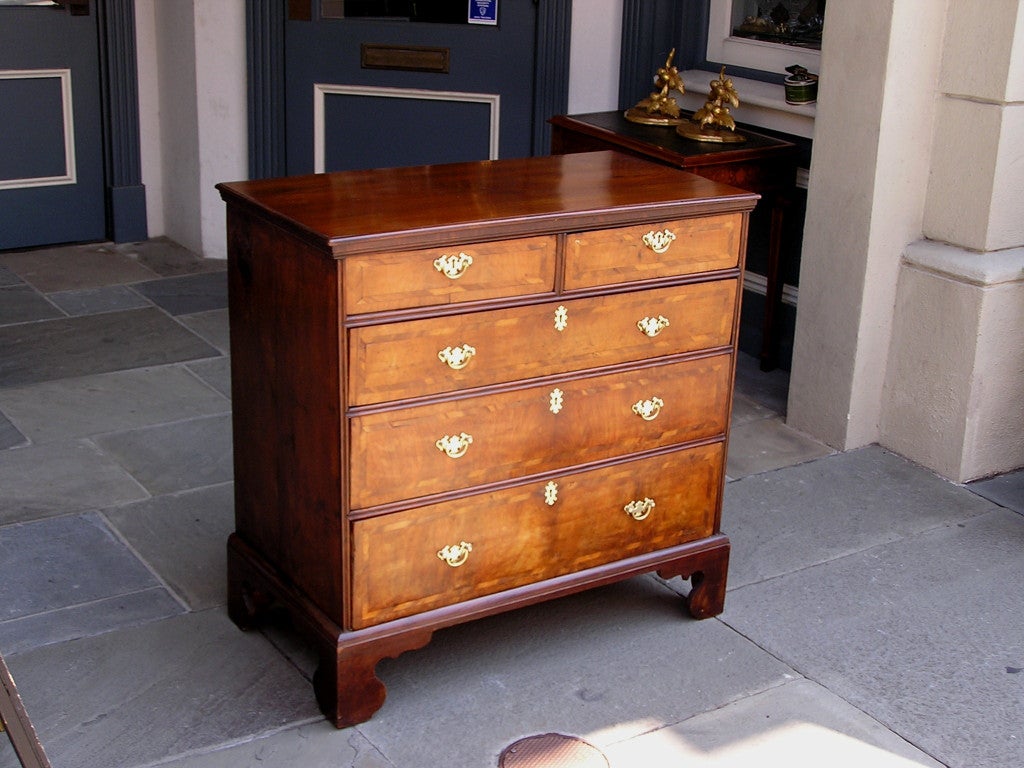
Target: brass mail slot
411, 58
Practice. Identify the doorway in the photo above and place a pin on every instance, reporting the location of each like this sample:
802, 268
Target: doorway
51, 169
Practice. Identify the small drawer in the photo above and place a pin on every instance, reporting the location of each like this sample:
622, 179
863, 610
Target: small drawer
394, 361
428, 557
384, 281
650, 251
413, 452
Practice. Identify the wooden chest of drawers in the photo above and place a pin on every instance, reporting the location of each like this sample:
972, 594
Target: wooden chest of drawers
462, 389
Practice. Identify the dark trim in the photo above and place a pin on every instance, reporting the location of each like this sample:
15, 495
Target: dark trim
650, 29
264, 27
119, 95
551, 79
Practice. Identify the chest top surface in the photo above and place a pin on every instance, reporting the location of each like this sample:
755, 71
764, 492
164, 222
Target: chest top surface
361, 211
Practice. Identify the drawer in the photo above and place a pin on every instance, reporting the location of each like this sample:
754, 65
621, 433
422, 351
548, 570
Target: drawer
684, 247
537, 531
427, 449
401, 360
384, 281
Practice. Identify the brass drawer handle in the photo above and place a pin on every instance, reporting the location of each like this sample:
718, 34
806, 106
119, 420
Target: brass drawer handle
652, 326
455, 554
648, 410
457, 358
454, 446
640, 509
659, 241
453, 266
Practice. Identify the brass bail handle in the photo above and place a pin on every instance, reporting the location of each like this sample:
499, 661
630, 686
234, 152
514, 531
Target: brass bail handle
455, 554
640, 508
659, 242
453, 266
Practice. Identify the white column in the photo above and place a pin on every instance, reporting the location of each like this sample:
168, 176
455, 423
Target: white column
193, 98
869, 173
955, 384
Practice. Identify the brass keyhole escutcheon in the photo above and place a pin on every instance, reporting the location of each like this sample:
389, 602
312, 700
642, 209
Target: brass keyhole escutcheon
561, 319
551, 493
556, 400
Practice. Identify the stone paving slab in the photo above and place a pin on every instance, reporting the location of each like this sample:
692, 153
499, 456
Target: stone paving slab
211, 326
86, 619
766, 444
91, 301
187, 294
51, 564
10, 435
612, 663
82, 346
72, 267
183, 538
175, 457
215, 372
22, 304
1006, 490
924, 634
317, 745
797, 725
150, 693
110, 402
60, 478
793, 518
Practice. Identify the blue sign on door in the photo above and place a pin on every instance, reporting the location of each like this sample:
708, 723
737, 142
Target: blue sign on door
483, 11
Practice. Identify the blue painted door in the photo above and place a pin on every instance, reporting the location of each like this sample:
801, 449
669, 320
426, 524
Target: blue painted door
51, 151
439, 81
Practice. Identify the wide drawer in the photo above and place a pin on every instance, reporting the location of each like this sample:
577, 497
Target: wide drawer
393, 361
650, 251
383, 281
497, 541
412, 452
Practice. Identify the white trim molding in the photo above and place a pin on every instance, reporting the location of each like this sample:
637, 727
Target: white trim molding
321, 90
723, 17
70, 172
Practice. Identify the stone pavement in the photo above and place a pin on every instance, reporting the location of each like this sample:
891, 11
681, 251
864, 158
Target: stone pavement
875, 613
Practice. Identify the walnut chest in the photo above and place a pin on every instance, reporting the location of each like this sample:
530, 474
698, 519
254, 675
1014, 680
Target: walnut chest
461, 389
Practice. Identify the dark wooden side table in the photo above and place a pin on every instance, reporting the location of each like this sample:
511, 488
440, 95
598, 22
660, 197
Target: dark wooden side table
760, 164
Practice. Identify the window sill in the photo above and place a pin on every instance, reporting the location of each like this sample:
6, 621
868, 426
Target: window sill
761, 104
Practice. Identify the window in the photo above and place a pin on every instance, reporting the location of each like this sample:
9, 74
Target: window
745, 33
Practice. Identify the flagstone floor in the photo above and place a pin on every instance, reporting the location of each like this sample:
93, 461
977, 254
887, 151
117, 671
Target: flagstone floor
875, 613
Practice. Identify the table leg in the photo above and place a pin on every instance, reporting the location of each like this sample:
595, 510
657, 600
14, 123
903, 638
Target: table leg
773, 288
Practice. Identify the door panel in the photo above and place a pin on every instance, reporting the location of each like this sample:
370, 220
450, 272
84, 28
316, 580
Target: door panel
343, 115
51, 161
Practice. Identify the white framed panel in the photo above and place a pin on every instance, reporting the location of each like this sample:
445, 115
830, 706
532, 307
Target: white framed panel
322, 90
726, 15
67, 115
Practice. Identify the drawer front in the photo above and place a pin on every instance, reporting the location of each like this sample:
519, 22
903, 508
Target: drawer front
385, 281
532, 532
684, 247
413, 452
402, 360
